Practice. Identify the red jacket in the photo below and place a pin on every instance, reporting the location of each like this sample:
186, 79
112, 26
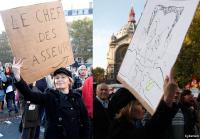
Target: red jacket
87, 94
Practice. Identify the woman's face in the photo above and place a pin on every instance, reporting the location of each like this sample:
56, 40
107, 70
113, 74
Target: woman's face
83, 72
7, 70
61, 81
138, 110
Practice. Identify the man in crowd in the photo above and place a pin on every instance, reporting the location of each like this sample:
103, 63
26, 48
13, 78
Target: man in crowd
187, 108
101, 116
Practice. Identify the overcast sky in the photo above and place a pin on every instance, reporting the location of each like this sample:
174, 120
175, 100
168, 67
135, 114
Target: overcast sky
67, 5
109, 16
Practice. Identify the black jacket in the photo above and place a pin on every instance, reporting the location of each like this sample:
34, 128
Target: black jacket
101, 120
66, 115
189, 120
30, 116
77, 84
10, 81
123, 129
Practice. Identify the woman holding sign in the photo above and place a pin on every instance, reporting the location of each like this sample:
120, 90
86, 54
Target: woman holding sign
66, 115
127, 113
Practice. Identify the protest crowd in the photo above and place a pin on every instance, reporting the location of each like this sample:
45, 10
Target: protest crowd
117, 114
67, 104
121, 115
35, 112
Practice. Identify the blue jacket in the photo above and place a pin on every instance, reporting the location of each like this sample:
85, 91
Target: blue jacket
2, 79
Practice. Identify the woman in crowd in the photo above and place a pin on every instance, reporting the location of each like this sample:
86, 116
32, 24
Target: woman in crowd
127, 113
10, 88
66, 115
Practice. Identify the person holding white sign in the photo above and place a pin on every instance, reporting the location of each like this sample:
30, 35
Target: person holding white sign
127, 113
66, 115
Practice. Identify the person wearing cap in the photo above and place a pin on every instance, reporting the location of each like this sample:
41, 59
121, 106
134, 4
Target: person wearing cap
126, 113
66, 115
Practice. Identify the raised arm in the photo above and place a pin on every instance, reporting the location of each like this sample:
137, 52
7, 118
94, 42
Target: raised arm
162, 118
35, 97
16, 66
170, 87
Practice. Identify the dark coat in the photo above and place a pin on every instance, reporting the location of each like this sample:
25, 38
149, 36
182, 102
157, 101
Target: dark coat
101, 120
10, 81
77, 84
66, 115
185, 126
30, 117
41, 84
123, 129
189, 120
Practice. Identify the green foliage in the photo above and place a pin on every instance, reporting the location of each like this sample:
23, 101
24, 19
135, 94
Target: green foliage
81, 33
188, 61
98, 74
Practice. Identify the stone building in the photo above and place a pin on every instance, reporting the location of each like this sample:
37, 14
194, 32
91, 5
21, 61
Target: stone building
117, 47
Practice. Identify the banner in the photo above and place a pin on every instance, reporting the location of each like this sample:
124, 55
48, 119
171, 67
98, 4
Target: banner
38, 34
154, 48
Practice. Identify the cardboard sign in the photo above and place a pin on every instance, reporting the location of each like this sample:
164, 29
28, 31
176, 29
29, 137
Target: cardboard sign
38, 34
154, 48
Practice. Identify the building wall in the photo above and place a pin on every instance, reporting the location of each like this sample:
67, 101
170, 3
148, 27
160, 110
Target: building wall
117, 48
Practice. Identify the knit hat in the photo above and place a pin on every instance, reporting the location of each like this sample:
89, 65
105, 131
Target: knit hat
120, 99
62, 70
186, 92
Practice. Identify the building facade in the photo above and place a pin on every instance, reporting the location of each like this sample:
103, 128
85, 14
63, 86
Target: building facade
117, 48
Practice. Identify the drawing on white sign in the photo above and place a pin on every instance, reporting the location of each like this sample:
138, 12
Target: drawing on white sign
155, 36
152, 51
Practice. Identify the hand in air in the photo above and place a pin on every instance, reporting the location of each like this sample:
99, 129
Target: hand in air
17, 64
170, 88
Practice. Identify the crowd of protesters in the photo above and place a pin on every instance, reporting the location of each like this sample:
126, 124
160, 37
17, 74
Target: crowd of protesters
61, 102
64, 103
120, 115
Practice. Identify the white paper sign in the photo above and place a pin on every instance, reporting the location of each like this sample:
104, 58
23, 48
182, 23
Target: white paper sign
9, 89
154, 48
31, 107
